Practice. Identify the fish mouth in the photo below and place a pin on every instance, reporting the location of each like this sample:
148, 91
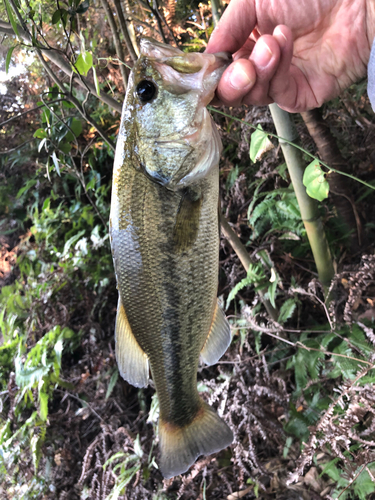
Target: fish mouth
193, 70
194, 62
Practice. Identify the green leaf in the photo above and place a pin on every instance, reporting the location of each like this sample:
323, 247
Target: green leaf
300, 369
96, 81
272, 291
286, 311
81, 9
315, 182
364, 485
255, 274
40, 133
8, 58
67, 104
83, 63
71, 241
259, 144
56, 163
29, 184
56, 16
41, 144
91, 184
64, 16
11, 18
65, 147
137, 447
35, 444
112, 383
76, 126
43, 401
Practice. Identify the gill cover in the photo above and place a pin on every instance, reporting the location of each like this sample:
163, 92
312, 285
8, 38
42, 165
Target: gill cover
177, 141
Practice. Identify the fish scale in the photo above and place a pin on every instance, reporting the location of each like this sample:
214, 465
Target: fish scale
172, 301
165, 242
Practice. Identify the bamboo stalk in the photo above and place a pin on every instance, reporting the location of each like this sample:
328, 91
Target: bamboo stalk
215, 8
308, 206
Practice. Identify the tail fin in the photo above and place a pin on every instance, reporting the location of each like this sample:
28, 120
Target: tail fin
181, 446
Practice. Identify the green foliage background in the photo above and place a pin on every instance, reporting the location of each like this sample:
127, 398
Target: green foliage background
304, 372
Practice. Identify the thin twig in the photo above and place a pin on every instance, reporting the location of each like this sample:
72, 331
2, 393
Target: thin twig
282, 139
17, 147
116, 39
54, 56
59, 119
299, 344
244, 257
124, 30
167, 26
74, 101
28, 111
155, 12
83, 402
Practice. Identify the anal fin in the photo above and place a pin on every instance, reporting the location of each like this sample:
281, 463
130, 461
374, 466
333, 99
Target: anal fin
218, 339
131, 359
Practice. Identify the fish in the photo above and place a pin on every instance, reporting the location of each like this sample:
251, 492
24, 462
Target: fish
164, 232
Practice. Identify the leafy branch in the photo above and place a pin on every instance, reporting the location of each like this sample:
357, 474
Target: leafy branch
54, 56
291, 143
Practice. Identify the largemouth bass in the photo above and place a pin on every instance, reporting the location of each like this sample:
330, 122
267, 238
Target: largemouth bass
165, 242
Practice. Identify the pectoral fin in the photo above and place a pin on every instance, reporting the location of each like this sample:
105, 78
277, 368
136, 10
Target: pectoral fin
187, 222
132, 361
218, 339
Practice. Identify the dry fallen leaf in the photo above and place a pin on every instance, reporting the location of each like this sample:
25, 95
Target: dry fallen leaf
239, 494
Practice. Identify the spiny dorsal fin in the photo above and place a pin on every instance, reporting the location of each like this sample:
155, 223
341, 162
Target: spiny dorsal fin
187, 222
132, 361
218, 339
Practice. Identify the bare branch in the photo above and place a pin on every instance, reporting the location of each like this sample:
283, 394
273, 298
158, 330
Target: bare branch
28, 111
124, 30
17, 147
155, 12
74, 101
130, 26
167, 25
244, 257
116, 39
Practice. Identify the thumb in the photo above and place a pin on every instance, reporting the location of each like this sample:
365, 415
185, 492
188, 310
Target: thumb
234, 28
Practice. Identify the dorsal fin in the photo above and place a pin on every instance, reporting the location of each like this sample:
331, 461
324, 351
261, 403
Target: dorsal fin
218, 339
131, 359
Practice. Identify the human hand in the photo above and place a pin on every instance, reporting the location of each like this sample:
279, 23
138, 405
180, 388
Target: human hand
298, 54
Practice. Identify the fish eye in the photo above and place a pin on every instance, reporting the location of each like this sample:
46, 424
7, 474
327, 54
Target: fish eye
146, 90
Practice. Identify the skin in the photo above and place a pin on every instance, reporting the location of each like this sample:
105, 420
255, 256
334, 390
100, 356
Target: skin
298, 54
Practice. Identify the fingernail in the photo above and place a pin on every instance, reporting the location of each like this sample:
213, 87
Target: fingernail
239, 79
281, 38
262, 53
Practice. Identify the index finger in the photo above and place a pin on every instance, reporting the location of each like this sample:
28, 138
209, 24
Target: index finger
234, 28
